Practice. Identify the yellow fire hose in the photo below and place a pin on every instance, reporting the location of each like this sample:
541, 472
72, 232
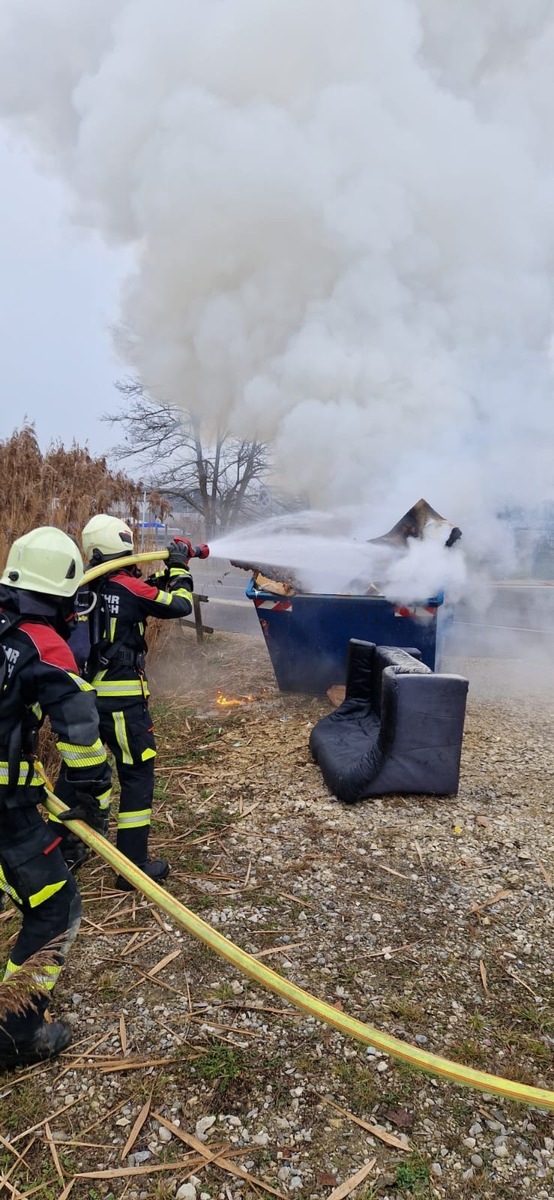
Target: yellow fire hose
420, 1059
125, 561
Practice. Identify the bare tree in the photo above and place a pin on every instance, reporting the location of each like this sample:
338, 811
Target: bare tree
219, 481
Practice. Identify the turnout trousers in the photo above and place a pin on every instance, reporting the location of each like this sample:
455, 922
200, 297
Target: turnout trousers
129, 734
35, 876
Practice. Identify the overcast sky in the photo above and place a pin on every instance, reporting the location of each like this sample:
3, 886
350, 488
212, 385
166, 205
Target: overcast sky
58, 298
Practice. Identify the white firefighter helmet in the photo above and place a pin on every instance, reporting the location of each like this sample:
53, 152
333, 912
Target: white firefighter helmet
44, 560
106, 537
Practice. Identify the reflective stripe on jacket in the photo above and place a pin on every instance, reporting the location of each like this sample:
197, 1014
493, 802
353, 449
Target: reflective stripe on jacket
127, 602
43, 678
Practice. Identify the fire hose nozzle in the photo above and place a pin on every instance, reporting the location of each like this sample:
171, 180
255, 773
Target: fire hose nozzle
201, 551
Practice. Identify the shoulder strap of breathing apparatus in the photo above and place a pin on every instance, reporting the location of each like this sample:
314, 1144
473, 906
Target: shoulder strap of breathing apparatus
103, 649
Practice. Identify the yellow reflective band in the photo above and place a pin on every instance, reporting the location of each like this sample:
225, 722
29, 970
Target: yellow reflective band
45, 893
47, 977
179, 571
146, 754
121, 736
7, 888
82, 756
123, 687
113, 625
134, 820
163, 598
22, 777
104, 800
81, 683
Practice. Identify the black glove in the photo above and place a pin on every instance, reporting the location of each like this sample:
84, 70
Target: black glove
179, 553
86, 808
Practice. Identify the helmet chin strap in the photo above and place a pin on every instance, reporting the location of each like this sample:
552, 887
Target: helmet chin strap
97, 557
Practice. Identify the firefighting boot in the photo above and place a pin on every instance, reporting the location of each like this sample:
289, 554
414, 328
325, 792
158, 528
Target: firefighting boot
47, 1042
156, 869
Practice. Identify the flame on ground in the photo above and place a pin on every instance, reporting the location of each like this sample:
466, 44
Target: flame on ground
227, 702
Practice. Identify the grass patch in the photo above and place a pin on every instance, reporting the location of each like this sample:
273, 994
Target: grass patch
26, 1105
219, 1066
106, 985
224, 991
409, 1010
531, 1046
471, 1053
359, 1085
192, 863
542, 1021
412, 1176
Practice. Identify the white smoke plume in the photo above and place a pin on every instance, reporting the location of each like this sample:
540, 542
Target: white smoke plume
330, 553
343, 221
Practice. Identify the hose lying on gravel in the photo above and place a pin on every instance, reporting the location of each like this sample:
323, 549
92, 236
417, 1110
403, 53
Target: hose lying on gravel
420, 1059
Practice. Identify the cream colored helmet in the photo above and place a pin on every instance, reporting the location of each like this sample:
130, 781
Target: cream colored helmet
106, 537
44, 560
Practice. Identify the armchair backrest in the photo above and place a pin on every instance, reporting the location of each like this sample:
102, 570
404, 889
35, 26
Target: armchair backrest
405, 662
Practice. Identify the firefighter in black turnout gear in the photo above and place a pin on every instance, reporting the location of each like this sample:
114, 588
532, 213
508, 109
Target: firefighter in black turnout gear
39, 677
115, 667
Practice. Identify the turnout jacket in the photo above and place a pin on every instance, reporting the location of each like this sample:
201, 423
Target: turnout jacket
117, 629
42, 680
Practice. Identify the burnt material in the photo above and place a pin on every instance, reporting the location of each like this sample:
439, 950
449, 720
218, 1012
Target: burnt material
266, 575
414, 524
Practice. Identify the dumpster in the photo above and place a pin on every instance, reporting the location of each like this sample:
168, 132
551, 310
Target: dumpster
307, 636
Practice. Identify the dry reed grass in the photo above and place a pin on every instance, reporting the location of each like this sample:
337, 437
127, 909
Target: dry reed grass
56, 487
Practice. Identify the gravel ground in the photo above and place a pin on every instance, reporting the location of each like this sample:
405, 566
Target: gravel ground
429, 918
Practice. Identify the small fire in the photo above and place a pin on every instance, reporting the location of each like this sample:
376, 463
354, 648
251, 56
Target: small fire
227, 702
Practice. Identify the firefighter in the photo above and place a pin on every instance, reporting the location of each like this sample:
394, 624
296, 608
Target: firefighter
115, 667
39, 677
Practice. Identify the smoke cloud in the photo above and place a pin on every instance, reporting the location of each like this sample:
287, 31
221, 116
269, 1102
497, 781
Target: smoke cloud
342, 216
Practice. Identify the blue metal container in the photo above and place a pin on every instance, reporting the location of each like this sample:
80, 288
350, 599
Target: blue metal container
307, 636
